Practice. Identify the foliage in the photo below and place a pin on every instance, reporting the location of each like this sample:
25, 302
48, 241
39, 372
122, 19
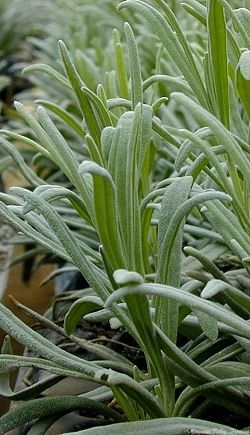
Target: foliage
18, 22
154, 163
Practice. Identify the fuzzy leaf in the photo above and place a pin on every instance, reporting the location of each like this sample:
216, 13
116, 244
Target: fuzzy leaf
123, 277
106, 219
218, 58
170, 426
134, 65
243, 80
208, 325
184, 298
79, 309
52, 405
169, 254
174, 45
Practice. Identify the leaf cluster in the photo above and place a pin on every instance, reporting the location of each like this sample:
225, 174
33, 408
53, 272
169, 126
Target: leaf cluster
149, 199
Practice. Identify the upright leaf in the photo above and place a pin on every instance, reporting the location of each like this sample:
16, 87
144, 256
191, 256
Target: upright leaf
134, 66
243, 80
217, 45
169, 273
173, 45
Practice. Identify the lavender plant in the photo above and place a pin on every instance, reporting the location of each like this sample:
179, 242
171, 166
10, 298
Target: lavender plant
163, 186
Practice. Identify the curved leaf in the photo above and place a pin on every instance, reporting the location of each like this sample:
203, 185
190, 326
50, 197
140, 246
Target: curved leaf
173, 45
79, 309
194, 302
169, 426
243, 80
53, 405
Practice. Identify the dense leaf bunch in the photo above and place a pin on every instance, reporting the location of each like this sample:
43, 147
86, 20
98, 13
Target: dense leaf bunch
149, 199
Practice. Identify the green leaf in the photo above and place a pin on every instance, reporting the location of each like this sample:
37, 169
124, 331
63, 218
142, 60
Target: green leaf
134, 66
29, 231
217, 44
243, 17
121, 67
229, 227
236, 299
17, 157
79, 309
43, 347
101, 114
65, 115
163, 426
47, 70
106, 219
209, 265
127, 151
34, 145
196, 9
167, 35
180, 213
244, 64
184, 298
243, 80
230, 369
175, 196
123, 277
29, 392
64, 235
134, 390
170, 253
208, 325
223, 135
138, 308
85, 104
52, 405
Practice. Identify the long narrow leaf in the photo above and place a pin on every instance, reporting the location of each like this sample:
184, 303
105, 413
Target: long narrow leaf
49, 405
162, 29
167, 311
218, 57
194, 302
170, 426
